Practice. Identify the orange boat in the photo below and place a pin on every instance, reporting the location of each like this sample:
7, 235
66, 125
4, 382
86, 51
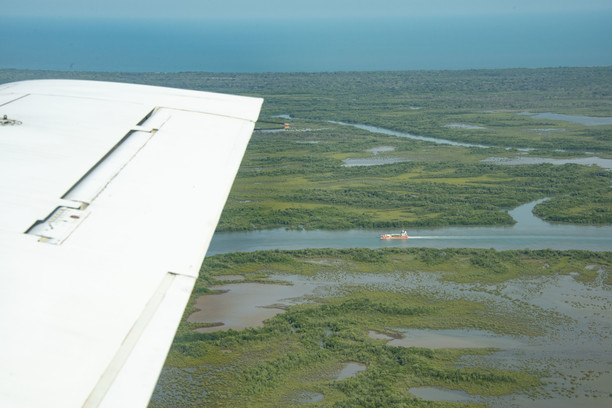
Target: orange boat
403, 235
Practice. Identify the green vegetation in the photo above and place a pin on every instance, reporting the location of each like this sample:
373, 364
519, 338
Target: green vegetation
296, 179
578, 209
304, 186
300, 351
456, 264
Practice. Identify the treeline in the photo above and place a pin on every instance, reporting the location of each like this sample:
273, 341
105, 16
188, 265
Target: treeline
590, 81
307, 95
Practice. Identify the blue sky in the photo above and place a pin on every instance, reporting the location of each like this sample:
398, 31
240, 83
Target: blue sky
289, 8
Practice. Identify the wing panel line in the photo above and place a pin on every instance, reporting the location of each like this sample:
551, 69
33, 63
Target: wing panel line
16, 99
129, 343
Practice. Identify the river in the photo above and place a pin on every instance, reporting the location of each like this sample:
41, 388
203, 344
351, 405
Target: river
529, 232
375, 129
576, 353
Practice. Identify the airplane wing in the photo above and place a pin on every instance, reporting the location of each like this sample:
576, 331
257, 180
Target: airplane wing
109, 196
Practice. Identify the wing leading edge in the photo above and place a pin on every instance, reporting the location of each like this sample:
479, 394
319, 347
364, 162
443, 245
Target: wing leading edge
109, 197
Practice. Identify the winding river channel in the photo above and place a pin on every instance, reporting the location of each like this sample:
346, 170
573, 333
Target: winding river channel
576, 354
528, 232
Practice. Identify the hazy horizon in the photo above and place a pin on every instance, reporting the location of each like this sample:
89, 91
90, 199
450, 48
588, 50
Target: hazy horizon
307, 45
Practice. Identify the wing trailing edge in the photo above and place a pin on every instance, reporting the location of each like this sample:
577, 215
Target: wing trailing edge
109, 196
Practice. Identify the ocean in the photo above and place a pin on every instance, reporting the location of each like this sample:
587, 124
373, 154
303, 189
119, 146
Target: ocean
301, 45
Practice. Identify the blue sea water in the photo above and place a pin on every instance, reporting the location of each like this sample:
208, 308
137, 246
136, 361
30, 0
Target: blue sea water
300, 45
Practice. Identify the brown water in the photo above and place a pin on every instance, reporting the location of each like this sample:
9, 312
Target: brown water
242, 305
442, 394
575, 351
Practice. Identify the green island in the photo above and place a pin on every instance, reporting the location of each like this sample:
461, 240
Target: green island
362, 305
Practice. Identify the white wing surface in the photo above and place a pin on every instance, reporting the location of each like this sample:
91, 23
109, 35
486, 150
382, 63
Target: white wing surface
109, 196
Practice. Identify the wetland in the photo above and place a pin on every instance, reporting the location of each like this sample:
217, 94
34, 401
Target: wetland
502, 297
509, 328
427, 321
